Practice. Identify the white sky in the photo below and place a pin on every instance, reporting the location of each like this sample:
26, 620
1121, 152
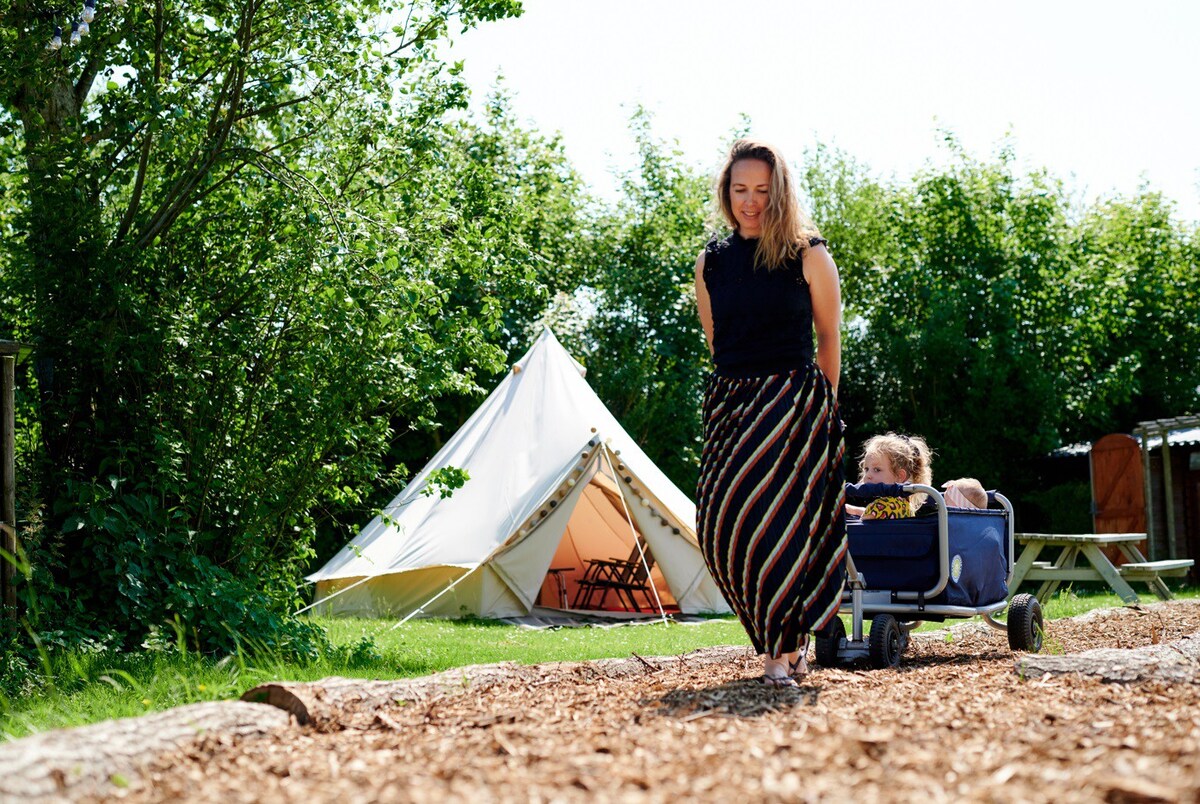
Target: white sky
1104, 94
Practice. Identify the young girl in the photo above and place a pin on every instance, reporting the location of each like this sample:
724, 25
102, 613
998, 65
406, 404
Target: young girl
892, 458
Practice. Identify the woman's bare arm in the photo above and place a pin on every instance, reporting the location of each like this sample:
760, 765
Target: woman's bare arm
703, 305
825, 287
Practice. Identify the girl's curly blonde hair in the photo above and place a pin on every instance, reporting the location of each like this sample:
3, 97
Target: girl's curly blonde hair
908, 453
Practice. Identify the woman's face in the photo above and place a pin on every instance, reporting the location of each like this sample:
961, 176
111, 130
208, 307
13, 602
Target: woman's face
749, 191
876, 469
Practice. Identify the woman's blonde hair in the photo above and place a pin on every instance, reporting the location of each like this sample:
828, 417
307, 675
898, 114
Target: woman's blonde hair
785, 229
908, 453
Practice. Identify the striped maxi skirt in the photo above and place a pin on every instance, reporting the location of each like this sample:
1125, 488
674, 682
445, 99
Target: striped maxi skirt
770, 500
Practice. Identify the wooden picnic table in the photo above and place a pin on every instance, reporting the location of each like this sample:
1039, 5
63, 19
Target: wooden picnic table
1098, 567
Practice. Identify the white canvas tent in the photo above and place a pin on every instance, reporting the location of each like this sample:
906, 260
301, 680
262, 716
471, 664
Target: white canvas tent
554, 482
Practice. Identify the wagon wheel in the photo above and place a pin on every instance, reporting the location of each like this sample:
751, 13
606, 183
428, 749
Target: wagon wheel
829, 641
1025, 625
886, 643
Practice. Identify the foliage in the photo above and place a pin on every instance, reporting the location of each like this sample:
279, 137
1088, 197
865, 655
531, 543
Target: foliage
645, 352
1063, 508
240, 245
515, 191
989, 313
960, 325
1134, 289
547, 208
267, 261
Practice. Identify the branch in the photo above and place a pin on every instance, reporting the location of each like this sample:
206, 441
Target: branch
283, 167
139, 182
427, 29
383, 188
275, 107
84, 85
407, 20
118, 158
219, 128
255, 154
95, 63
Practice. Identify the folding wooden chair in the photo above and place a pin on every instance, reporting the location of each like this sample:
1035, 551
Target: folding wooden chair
625, 577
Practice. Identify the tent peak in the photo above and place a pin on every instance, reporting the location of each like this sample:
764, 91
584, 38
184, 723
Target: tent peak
547, 342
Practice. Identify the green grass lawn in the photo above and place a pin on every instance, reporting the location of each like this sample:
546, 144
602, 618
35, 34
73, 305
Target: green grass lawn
86, 688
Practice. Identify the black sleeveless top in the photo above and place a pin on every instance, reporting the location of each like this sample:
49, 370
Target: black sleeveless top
762, 319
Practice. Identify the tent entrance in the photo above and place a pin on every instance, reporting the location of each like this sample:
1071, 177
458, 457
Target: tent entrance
595, 547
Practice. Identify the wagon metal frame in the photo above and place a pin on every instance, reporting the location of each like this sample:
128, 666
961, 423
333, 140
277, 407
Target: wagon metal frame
894, 614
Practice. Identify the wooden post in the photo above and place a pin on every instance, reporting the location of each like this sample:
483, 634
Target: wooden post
8, 488
1169, 496
1148, 484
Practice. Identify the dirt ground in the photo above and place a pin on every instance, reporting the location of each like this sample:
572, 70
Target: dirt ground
955, 722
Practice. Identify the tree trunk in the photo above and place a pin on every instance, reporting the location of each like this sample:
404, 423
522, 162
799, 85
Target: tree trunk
96, 759
1174, 663
64, 242
336, 703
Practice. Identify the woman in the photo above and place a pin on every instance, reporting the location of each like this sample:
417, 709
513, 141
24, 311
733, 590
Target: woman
771, 485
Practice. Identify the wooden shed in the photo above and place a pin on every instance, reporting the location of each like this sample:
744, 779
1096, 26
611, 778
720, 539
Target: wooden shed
1167, 504
1118, 489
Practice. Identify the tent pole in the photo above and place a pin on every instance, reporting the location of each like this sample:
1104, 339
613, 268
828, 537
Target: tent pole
421, 608
636, 539
316, 603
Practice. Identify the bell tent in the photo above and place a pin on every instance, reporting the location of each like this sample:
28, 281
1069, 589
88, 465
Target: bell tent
559, 498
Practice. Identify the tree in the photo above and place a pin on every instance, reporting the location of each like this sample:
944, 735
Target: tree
645, 352
987, 312
1135, 292
230, 270
516, 193
955, 316
860, 217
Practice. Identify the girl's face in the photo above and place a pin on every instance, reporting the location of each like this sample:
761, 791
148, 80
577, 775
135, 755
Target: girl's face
877, 469
749, 191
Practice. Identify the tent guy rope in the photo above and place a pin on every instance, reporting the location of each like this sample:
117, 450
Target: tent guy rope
637, 539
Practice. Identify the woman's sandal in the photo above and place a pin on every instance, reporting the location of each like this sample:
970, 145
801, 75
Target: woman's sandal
799, 668
777, 681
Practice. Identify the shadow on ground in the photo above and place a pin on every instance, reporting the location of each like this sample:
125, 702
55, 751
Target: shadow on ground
743, 698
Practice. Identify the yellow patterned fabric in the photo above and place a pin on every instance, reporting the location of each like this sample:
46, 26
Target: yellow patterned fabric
888, 508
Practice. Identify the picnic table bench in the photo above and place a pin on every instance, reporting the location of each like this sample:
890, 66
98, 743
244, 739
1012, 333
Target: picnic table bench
1098, 567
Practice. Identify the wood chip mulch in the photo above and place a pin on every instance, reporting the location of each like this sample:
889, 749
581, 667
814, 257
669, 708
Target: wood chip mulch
956, 722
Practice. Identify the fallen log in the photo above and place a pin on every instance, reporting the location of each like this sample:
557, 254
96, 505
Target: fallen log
91, 760
336, 703
1174, 663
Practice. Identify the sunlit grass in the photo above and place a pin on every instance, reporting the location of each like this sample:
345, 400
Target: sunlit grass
86, 688
89, 687
426, 646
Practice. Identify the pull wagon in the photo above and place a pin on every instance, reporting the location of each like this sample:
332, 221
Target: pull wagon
950, 563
